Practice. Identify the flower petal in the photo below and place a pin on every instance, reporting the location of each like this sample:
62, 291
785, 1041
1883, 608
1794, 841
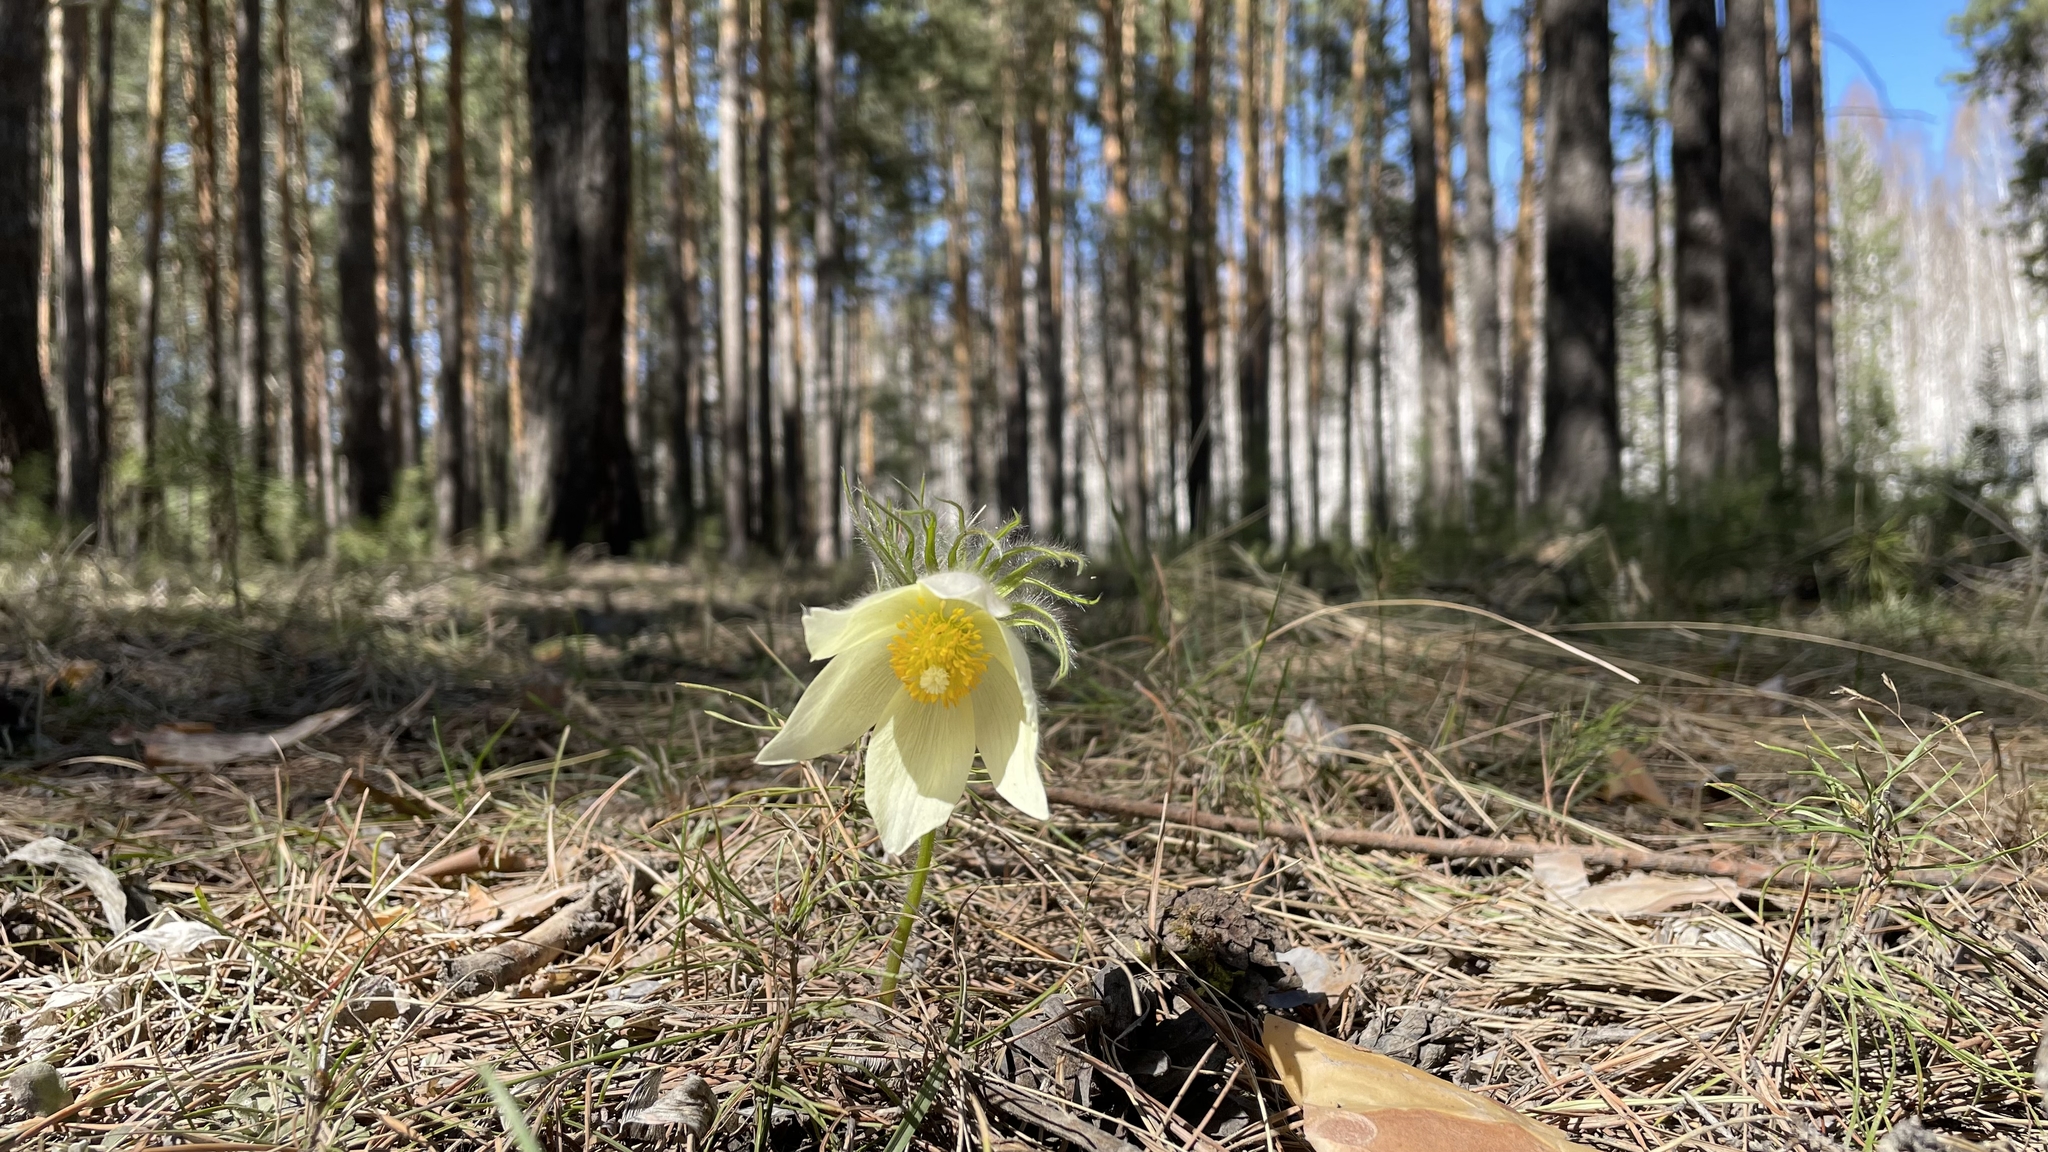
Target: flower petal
830, 631
969, 586
849, 697
917, 768
1016, 775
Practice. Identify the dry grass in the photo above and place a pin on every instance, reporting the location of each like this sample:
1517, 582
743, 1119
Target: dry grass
538, 712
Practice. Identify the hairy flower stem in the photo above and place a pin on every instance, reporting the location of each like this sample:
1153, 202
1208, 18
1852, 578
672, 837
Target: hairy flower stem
899, 942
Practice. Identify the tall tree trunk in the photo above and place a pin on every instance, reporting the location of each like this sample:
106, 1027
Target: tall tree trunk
1013, 476
961, 319
578, 482
205, 164
28, 435
1355, 223
78, 485
148, 289
1048, 192
1748, 76
366, 424
825, 392
101, 196
455, 493
252, 327
1522, 289
767, 511
1582, 435
1198, 268
1441, 498
1314, 207
315, 408
293, 438
1660, 328
1704, 399
779, 80
394, 247
1801, 269
1482, 252
676, 120
1823, 264
1447, 238
1275, 207
512, 229
732, 275
1255, 328
1381, 502
1123, 388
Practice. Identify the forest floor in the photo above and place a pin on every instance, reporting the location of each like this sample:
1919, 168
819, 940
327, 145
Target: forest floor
287, 956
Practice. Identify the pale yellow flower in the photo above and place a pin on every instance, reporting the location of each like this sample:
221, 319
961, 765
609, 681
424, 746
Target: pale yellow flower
935, 668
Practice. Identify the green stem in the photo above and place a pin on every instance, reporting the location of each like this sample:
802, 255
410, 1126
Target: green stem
901, 941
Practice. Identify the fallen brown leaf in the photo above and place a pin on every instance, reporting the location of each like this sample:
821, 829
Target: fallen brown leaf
1353, 1100
175, 744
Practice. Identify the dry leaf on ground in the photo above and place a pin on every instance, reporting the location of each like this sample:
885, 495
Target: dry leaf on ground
50, 852
1632, 780
175, 744
1563, 875
1357, 1101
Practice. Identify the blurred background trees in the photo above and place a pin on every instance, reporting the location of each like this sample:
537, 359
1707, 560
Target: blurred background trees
279, 275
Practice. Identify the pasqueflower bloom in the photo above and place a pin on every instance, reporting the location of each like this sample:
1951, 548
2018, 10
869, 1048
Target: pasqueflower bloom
932, 663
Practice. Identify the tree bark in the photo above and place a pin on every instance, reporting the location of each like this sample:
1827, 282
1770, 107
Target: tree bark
1315, 201
1123, 389
1198, 268
78, 483
28, 435
1823, 264
676, 121
304, 310
960, 325
1582, 438
732, 276
1441, 498
1522, 289
792, 414
1255, 326
1277, 259
1704, 399
149, 286
97, 300
1489, 432
1013, 476
1355, 212
205, 164
1048, 192
505, 453
293, 433
365, 429
396, 248
455, 493
767, 510
1747, 77
827, 406
1653, 186
252, 309
1801, 270
1381, 497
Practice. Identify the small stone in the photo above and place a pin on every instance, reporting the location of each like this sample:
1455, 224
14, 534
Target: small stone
39, 1088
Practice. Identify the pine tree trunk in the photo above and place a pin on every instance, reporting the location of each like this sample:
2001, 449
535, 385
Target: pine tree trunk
1441, 498
292, 430
1048, 191
967, 405
419, 265
149, 287
1801, 270
1489, 414
1522, 290
1748, 75
1198, 269
1275, 207
205, 164
1382, 526
97, 301
508, 424
1704, 398
791, 412
732, 276
366, 424
1314, 206
455, 492
1123, 388
252, 342
1255, 328
1446, 212
1823, 266
578, 481
767, 511
1660, 328
676, 121
315, 408
28, 435
1581, 463
827, 406
78, 483
1355, 222
1013, 476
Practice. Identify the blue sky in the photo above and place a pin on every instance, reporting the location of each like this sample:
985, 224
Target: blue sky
1904, 47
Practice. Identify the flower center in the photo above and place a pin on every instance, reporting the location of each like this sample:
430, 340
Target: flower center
938, 655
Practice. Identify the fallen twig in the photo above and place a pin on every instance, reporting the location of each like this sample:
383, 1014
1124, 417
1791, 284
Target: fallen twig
576, 926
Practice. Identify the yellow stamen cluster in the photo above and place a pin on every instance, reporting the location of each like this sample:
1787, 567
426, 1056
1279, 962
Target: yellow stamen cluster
938, 655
